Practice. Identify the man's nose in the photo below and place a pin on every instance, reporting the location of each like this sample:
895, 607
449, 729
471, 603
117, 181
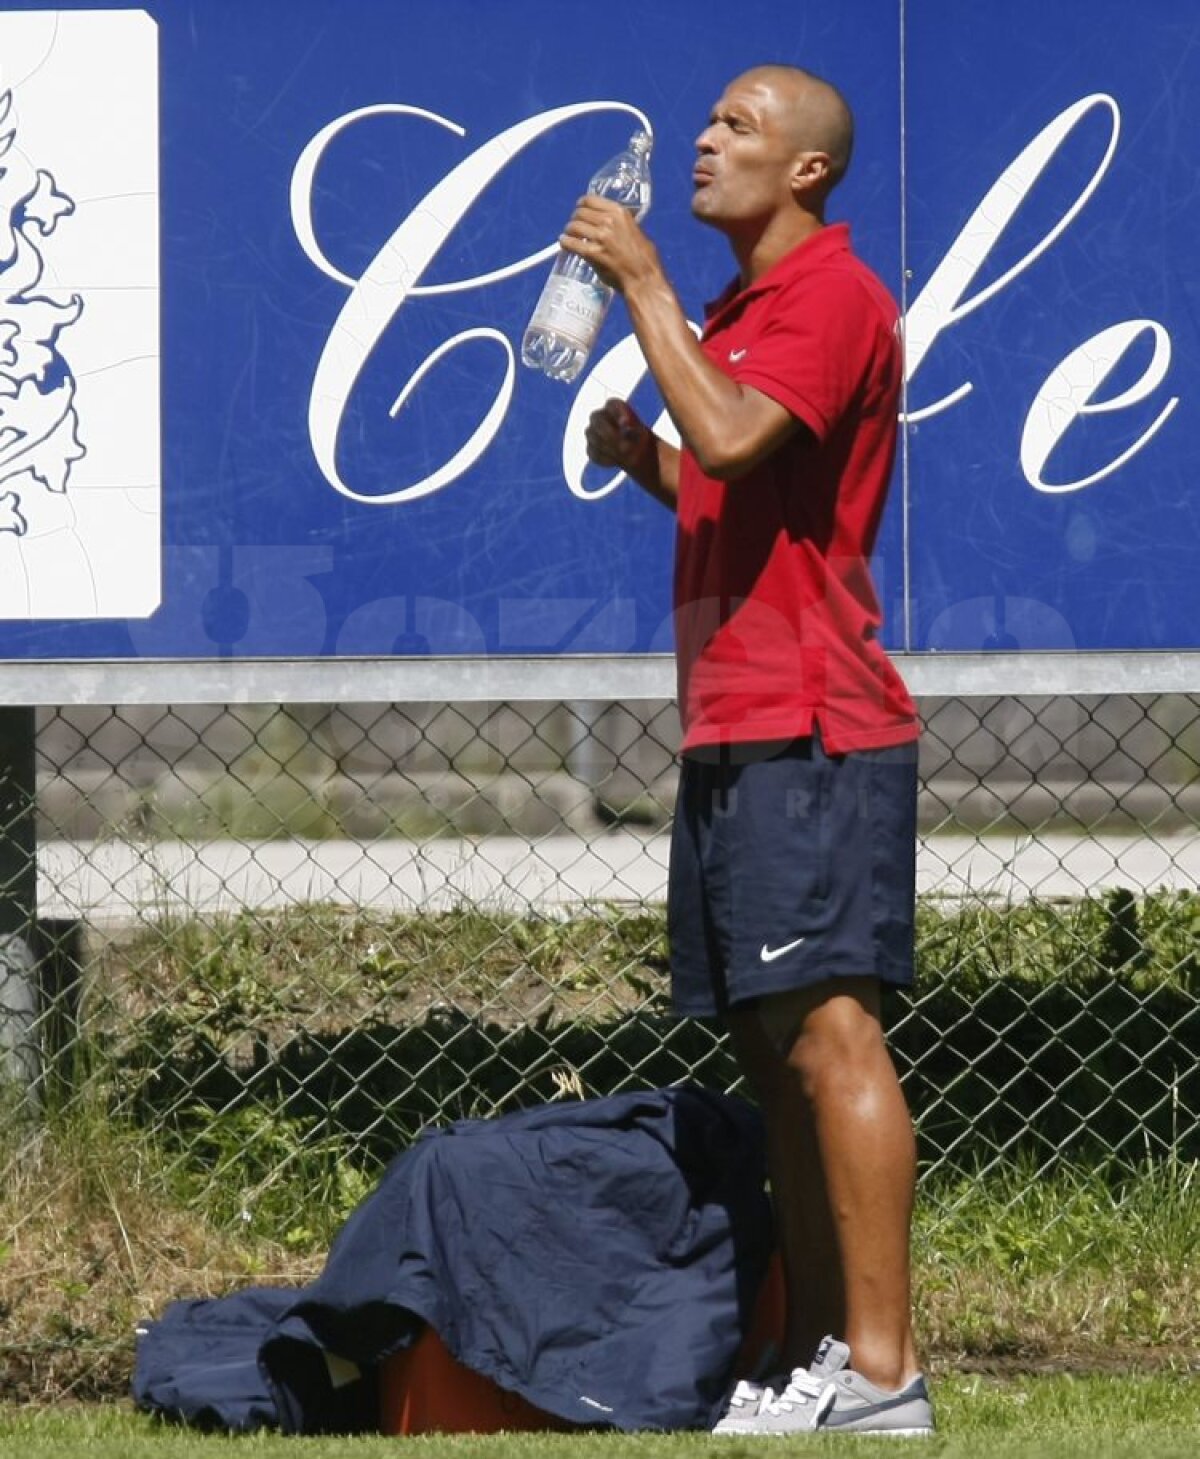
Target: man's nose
706, 142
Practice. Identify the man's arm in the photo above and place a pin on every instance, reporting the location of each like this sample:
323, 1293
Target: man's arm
728, 427
617, 437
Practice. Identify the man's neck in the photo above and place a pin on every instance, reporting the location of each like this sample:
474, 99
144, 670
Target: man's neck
761, 251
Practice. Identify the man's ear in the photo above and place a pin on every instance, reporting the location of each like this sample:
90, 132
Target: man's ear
811, 173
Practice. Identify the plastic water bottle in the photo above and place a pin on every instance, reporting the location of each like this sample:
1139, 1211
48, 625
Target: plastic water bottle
564, 326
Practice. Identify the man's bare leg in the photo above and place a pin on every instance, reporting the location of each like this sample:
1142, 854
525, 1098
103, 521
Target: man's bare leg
843, 1168
812, 1263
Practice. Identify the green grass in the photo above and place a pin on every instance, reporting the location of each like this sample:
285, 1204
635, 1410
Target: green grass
238, 1082
1082, 1269
979, 1418
1073, 1026
1036, 1263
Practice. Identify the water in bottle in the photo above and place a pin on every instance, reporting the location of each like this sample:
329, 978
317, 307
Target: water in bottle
564, 326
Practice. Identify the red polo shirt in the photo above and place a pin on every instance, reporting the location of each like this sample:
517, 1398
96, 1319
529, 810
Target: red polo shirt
776, 616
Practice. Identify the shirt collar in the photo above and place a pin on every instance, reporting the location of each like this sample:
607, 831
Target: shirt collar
824, 243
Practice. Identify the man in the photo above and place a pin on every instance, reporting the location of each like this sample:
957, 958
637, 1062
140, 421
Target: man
792, 865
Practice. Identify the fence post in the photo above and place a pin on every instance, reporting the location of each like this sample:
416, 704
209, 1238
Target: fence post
19, 1060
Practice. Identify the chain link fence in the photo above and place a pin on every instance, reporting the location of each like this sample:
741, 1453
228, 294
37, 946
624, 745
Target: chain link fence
277, 941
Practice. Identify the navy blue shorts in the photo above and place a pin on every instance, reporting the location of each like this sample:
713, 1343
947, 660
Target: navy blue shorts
791, 869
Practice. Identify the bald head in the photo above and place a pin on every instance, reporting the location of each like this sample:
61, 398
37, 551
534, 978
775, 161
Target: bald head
777, 143
815, 114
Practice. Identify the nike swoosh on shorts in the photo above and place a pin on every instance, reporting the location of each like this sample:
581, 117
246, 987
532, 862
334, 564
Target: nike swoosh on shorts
769, 954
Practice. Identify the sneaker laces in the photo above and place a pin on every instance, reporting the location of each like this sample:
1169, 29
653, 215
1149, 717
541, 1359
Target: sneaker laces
745, 1394
801, 1389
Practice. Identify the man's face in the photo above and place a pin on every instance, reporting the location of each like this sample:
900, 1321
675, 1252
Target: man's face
745, 157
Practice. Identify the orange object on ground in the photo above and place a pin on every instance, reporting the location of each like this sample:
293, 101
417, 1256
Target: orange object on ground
423, 1390
763, 1343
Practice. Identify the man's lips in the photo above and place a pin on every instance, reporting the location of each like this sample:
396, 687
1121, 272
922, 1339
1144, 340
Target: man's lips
702, 176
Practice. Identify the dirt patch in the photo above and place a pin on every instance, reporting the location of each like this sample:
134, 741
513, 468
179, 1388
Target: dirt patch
1084, 1362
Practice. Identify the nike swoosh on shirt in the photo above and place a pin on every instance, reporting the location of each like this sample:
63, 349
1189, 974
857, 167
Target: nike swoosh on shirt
769, 954
736, 355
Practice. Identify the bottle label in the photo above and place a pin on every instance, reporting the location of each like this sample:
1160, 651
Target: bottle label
574, 308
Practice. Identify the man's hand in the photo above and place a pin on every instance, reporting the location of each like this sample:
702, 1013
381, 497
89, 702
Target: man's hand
617, 437
607, 236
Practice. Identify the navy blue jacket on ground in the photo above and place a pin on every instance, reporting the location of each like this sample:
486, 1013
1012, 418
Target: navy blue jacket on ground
600, 1258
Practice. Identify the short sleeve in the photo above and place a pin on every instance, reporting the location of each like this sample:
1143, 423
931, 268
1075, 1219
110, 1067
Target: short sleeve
818, 347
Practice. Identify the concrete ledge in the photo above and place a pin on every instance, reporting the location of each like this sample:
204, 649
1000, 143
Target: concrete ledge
569, 677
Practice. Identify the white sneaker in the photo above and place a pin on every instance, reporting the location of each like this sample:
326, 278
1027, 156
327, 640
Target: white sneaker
830, 1395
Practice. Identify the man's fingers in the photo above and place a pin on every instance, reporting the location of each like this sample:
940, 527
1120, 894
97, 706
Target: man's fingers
614, 422
603, 441
600, 452
594, 222
614, 434
624, 418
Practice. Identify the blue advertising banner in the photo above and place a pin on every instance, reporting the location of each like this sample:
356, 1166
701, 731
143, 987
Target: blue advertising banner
264, 272
1053, 329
